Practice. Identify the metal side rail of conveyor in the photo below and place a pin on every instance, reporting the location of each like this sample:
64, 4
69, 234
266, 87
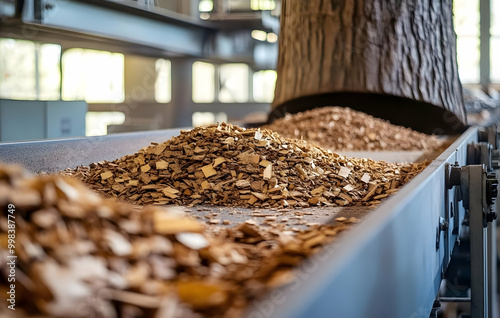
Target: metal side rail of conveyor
394, 263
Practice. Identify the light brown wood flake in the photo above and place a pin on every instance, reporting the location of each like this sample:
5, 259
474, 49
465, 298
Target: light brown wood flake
349, 187
370, 193
252, 200
229, 141
106, 175
205, 185
139, 160
161, 165
268, 172
380, 196
242, 184
145, 168
365, 178
170, 192
344, 172
208, 171
318, 190
160, 148
264, 143
133, 183
264, 163
166, 223
218, 161
200, 150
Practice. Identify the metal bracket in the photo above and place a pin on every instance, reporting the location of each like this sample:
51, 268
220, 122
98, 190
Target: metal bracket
479, 189
442, 227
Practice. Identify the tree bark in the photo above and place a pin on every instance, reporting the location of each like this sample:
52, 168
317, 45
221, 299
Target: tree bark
392, 58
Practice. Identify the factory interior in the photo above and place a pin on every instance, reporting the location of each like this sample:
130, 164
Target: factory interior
249, 158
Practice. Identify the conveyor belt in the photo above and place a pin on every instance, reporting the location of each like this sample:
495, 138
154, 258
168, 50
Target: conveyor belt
289, 218
385, 266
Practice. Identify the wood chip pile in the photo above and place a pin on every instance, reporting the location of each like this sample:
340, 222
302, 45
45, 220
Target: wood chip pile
79, 255
342, 128
232, 166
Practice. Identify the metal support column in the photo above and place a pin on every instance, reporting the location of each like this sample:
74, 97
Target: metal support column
492, 270
484, 44
478, 242
182, 91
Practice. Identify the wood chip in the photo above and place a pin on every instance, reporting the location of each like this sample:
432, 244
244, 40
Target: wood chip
166, 223
242, 184
218, 161
194, 241
318, 190
344, 172
264, 163
349, 187
170, 192
106, 175
161, 165
365, 178
208, 171
268, 172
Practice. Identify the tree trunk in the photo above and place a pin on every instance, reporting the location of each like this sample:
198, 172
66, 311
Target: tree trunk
395, 59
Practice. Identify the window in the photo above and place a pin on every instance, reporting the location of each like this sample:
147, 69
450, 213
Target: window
495, 61
263, 4
468, 59
96, 123
238, 5
233, 83
94, 76
49, 56
29, 70
495, 41
207, 118
466, 22
263, 86
206, 5
163, 88
203, 82
495, 17
236, 83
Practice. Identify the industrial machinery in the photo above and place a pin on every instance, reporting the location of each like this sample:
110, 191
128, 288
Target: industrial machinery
390, 265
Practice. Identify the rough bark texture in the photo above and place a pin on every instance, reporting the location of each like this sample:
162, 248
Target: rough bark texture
402, 50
